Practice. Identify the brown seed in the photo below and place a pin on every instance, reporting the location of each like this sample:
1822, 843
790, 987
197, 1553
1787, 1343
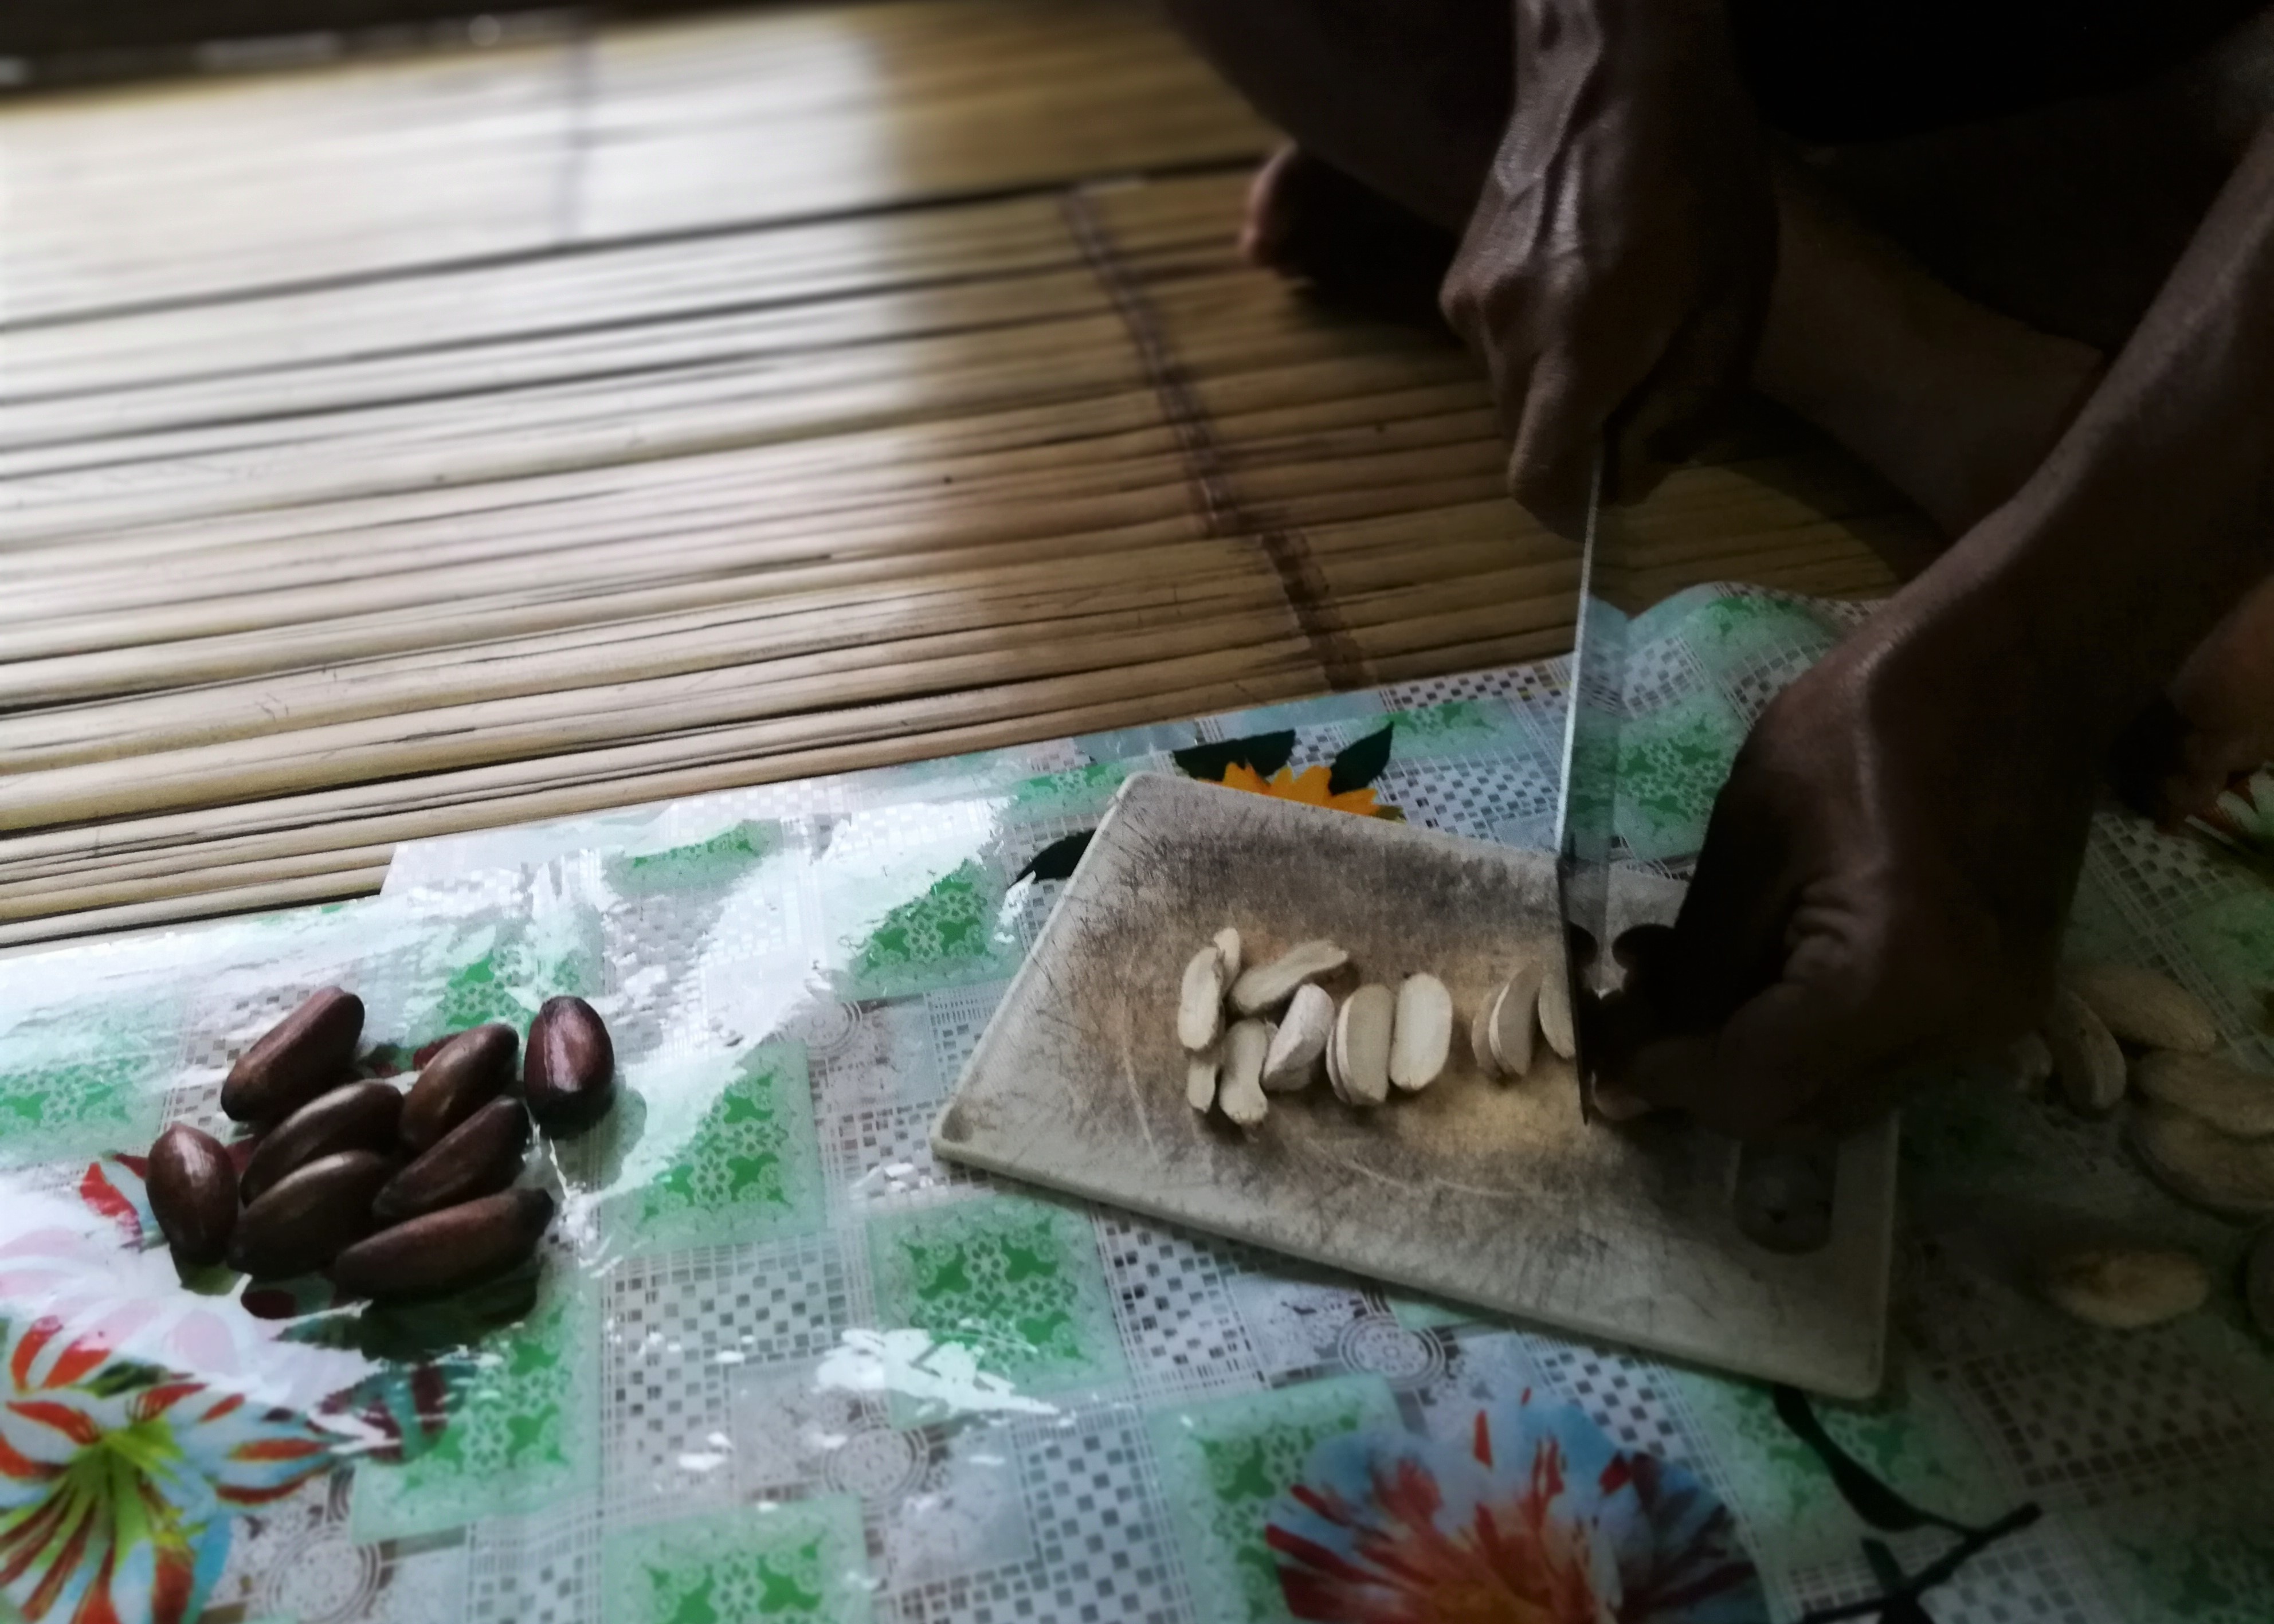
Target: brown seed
478, 1157
569, 1075
192, 1188
309, 1214
447, 1251
294, 1060
464, 1075
360, 1116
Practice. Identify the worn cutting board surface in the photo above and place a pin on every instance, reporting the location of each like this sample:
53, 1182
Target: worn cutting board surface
1491, 1193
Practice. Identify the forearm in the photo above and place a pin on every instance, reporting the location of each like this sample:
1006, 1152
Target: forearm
2150, 517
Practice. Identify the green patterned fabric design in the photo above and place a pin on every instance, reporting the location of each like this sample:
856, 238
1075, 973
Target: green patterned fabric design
1226, 1464
734, 1136
519, 1439
784, 1364
1015, 1281
798, 1564
77, 1082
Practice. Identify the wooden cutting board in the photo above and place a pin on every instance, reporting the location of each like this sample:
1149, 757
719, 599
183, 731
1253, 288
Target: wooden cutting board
1492, 1192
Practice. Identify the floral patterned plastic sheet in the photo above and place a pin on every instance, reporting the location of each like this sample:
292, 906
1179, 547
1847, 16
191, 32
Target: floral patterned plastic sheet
785, 1366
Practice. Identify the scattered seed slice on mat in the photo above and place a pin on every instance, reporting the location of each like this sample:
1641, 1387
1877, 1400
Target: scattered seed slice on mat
2142, 1007
2086, 1059
2225, 1095
2198, 1164
2032, 1063
2126, 1287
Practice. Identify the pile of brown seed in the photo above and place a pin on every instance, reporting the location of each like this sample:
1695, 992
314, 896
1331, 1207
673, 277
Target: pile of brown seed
395, 1193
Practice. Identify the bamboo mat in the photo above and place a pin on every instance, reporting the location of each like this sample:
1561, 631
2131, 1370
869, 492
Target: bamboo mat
406, 448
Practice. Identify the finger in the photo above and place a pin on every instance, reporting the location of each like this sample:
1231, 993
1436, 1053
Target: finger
1763, 1070
1551, 459
1672, 411
1854, 1105
1729, 939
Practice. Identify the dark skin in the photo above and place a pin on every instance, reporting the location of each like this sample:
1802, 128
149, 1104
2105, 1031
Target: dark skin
1854, 914
1886, 873
1614, 271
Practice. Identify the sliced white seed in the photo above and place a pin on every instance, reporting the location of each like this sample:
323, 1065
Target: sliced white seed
1199, 1081
1515, 1018
1239, 1088
2198, 1164
2142, 1007
1267, 986
1302, 1038
2227, 1097
1422, 1032
1199, 1002
2124, 1288
1362, 1031
2086, 1059
1480, 1026
2032, 1063
2258, 1284
1556, 1005
1227, 949
1334, 1061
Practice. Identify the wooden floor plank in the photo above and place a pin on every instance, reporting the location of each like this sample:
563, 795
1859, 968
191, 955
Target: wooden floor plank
518, 434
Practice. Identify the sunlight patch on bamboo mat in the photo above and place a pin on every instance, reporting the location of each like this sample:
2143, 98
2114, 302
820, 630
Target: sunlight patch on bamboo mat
396, 450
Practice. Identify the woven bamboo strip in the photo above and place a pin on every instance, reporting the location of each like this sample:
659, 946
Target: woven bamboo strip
1539, 594
786, 112
451, 728
299, 574
1211, 577
490, 805
177, 907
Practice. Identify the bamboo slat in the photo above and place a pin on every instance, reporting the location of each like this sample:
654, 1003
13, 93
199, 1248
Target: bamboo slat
697, 405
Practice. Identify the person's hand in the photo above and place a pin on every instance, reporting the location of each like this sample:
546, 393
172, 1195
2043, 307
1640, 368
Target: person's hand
1883, 886
1616, 269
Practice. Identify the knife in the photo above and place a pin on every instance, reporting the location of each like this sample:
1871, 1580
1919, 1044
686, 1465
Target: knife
1587, 810
1782, 1196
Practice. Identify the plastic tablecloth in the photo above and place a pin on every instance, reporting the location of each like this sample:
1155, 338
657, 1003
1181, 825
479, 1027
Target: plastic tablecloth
782, 1364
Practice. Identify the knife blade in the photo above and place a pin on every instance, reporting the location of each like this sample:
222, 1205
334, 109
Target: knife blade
1587, 809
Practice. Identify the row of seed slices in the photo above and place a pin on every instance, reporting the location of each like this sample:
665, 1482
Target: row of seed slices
1378, 1038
